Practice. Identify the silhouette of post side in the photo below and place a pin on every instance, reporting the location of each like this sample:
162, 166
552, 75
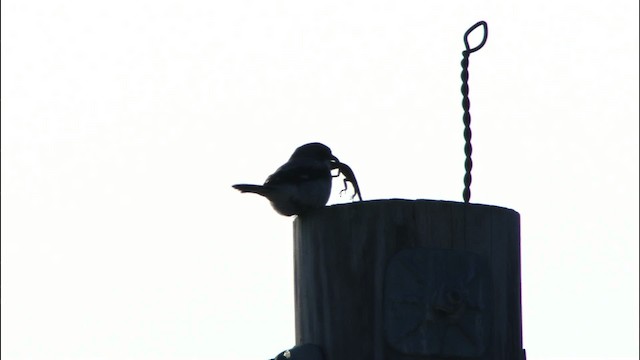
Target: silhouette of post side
409, 280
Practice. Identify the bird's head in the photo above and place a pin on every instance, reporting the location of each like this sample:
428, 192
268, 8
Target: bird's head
316, 151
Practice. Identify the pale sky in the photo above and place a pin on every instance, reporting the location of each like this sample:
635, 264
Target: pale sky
125, 123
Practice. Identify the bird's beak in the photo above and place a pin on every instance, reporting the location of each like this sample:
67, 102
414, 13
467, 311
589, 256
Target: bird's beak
335, 164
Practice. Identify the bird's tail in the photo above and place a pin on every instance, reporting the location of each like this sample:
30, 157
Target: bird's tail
256, 189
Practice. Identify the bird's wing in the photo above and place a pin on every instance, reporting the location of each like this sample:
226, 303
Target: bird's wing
297, 171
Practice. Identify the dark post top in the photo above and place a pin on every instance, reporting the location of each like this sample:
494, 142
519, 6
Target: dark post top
409, 280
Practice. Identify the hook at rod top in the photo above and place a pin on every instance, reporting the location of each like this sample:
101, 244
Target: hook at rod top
484, 36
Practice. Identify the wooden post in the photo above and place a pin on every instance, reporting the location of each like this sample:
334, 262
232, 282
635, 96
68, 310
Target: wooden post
409, 280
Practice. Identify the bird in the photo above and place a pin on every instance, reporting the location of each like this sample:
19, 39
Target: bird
302, 184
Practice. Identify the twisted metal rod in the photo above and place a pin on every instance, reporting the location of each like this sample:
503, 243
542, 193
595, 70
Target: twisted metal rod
466, 118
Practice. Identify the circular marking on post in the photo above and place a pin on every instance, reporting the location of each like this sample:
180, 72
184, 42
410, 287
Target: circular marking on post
436, 303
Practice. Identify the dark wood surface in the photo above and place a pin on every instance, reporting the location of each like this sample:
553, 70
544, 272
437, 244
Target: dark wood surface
452, 273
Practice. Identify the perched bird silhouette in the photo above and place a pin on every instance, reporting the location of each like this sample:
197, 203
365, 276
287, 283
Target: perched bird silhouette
302, 184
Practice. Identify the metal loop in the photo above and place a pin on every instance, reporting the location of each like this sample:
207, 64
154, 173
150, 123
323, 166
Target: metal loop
485, 33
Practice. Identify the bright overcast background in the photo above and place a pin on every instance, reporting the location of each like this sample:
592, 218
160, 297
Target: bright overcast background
125, 123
